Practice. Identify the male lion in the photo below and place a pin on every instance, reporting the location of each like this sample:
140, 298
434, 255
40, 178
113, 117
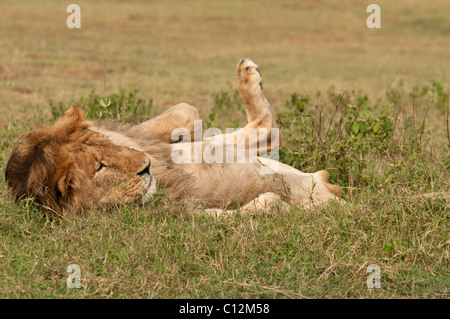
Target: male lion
74, 163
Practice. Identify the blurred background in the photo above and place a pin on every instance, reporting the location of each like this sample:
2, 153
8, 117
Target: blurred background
184, 51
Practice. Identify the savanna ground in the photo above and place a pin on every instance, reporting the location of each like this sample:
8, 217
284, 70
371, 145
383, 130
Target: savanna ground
370, 106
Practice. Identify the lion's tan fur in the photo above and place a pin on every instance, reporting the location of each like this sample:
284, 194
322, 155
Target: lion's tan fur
74, 163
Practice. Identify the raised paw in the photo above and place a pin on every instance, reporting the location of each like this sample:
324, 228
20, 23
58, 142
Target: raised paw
248, 74
257, 108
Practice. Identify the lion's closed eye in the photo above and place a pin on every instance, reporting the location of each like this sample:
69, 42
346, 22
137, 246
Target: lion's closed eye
100, 167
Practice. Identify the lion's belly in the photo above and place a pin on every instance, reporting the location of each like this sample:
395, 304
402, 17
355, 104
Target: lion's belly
228, 185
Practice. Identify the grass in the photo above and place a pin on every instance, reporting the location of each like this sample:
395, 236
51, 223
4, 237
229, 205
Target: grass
385, 141
137, 254
397, 220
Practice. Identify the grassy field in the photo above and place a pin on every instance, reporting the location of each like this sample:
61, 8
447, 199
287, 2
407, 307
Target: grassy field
385, 141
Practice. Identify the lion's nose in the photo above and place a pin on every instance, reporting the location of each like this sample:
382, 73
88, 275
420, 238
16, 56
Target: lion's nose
146, 170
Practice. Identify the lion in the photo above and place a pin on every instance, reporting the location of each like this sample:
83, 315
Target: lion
76, 164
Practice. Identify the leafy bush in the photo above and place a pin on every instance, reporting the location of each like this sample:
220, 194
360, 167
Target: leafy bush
359, 145
123, 106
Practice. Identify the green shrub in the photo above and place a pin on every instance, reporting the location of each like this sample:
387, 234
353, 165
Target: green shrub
123, 106
359, 144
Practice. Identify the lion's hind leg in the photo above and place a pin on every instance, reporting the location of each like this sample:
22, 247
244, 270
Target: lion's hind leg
162, 126
257, 108
263, 203
259, 114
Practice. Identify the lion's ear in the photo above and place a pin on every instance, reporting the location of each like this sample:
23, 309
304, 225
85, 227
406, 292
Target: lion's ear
75, 113
66, 187
70, 122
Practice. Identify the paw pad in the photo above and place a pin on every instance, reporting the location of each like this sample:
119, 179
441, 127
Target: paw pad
247, 71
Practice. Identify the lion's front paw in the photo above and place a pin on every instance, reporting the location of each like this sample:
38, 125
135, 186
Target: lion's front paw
248, 74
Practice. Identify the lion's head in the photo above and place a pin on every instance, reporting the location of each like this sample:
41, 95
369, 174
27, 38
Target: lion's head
67, 166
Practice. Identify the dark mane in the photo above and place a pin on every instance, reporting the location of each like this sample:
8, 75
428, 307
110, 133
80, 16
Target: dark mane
39, 161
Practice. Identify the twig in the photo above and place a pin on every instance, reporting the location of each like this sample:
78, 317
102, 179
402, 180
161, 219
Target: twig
395, 123
341, 120
320, 121
414, 117
317, 131
320, 116
136, 112
395, 126
55, 212
423, 127
335, 110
